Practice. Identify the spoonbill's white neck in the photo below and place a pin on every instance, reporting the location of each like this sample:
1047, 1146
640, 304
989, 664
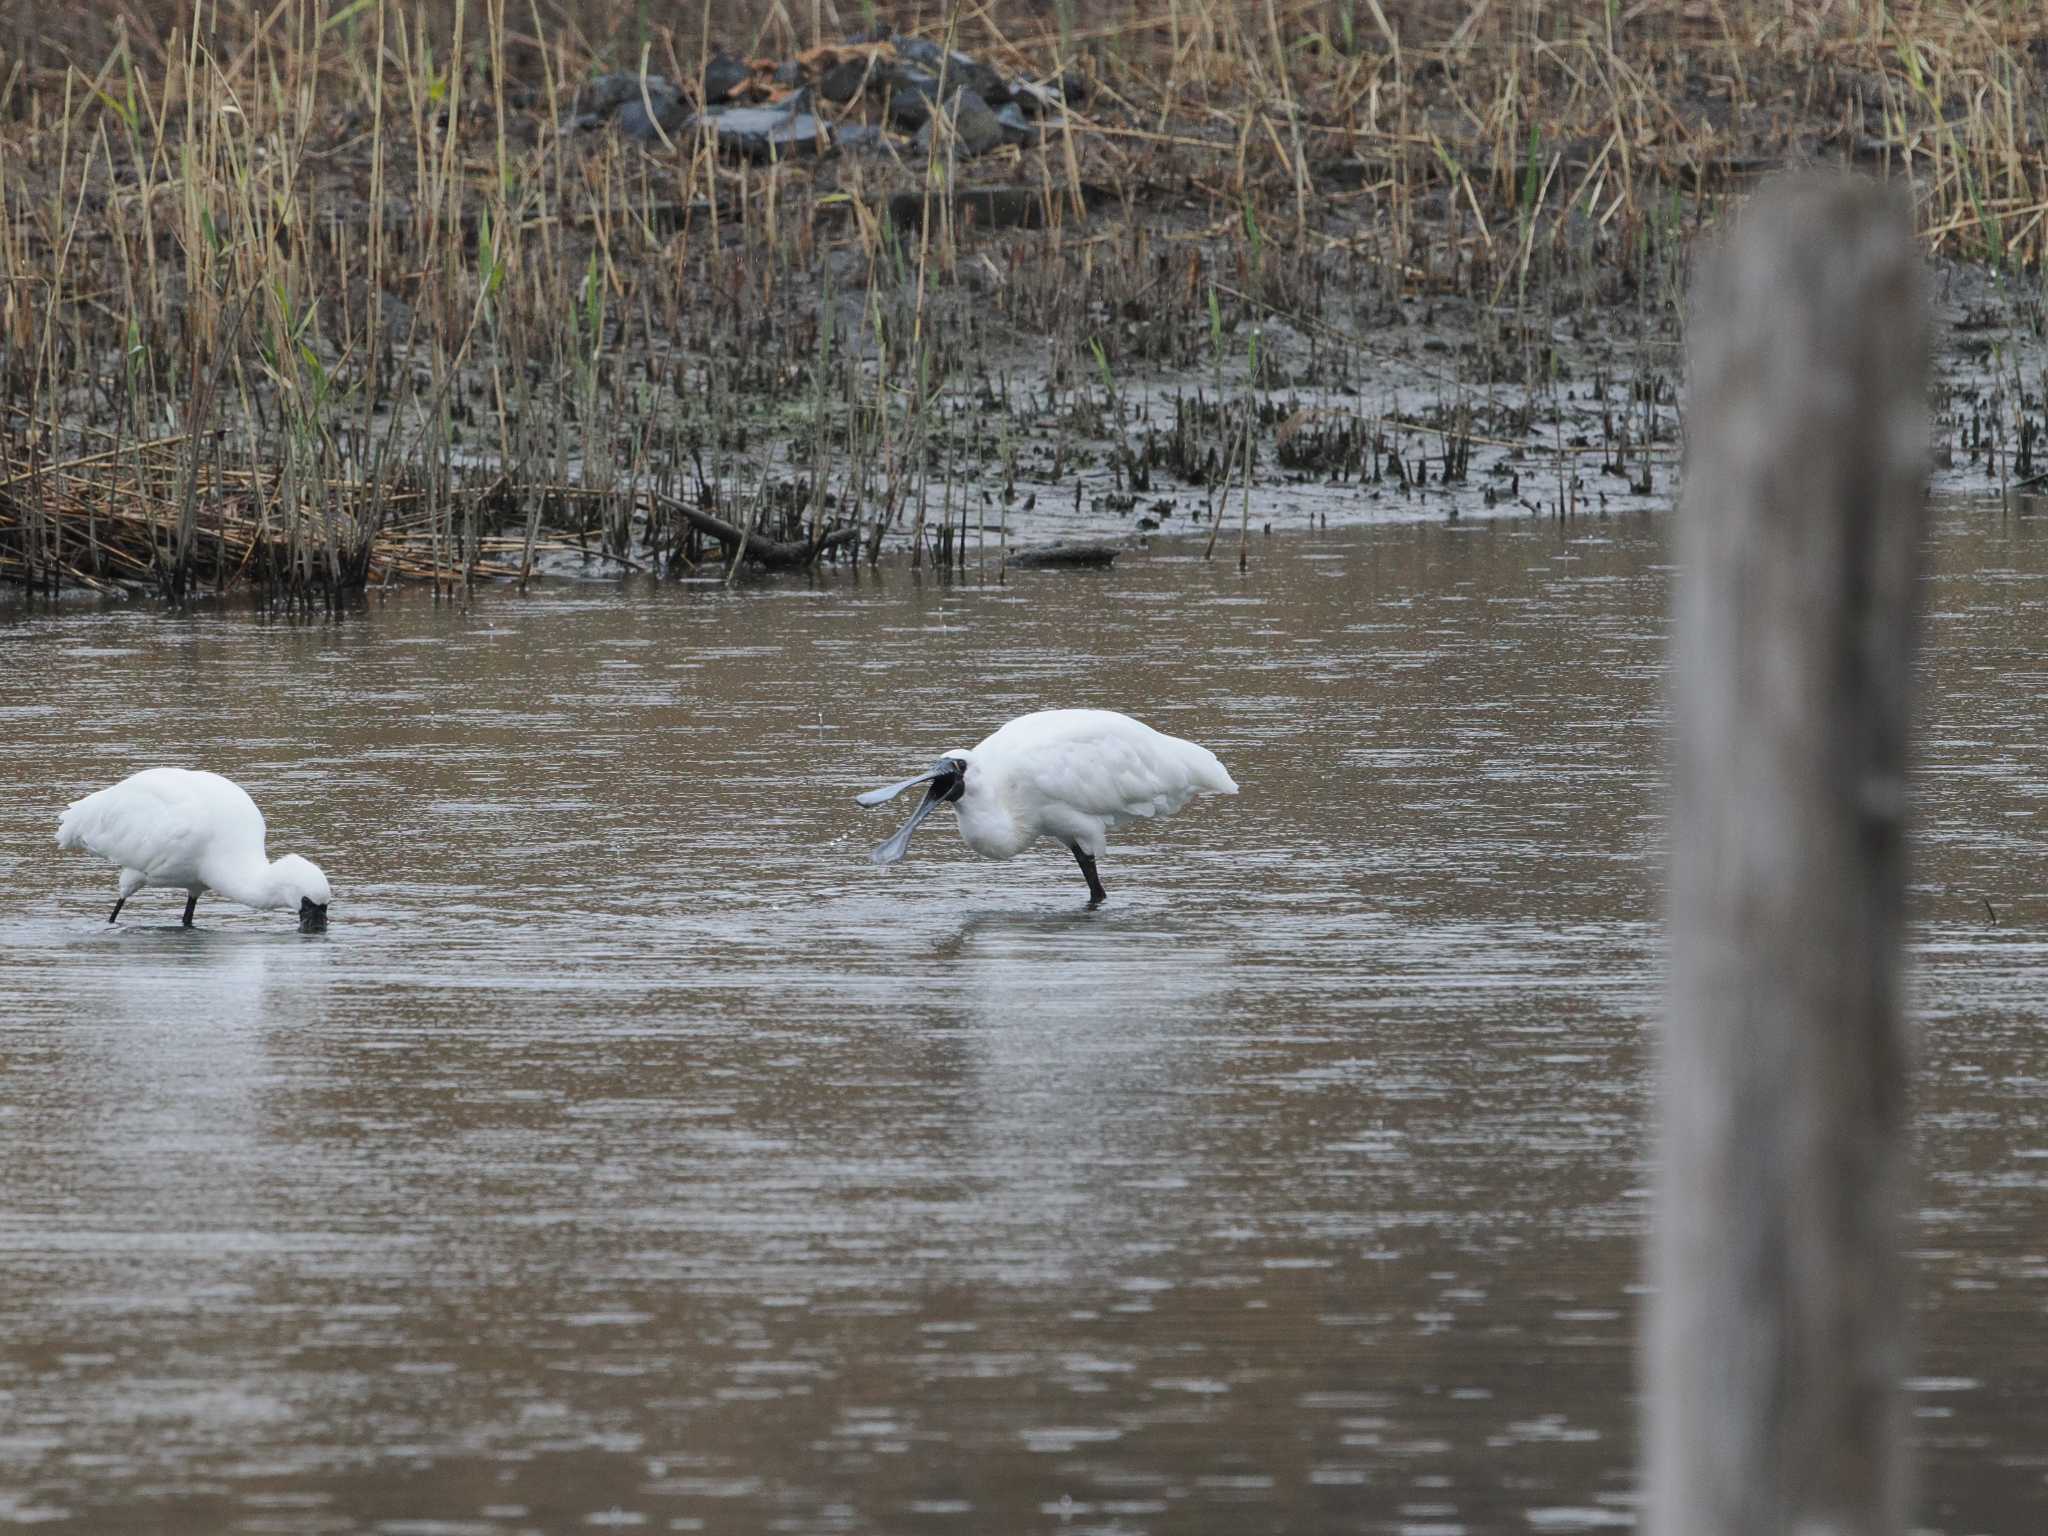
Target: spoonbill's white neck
287, 882
252, 880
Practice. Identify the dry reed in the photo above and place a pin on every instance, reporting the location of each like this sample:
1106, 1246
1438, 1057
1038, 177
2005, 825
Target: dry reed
329, 293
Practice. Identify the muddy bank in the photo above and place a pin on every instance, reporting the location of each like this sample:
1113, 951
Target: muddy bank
1406, 418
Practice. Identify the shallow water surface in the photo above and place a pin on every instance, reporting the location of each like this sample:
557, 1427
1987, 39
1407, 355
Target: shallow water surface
630, 1153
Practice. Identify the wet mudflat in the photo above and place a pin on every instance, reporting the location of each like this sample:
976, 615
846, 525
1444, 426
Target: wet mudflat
630, 1154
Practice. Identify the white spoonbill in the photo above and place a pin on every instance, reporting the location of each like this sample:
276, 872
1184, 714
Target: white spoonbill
199, 831
1069, 774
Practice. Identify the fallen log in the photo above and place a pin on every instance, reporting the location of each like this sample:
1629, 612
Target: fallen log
1078, 555
775, 554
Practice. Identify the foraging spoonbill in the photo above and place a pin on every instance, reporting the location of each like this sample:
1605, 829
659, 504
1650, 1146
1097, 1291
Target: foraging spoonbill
195, 830
1069, 774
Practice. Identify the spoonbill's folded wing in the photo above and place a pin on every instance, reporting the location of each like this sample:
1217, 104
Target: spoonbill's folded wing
146, 822
1120, 773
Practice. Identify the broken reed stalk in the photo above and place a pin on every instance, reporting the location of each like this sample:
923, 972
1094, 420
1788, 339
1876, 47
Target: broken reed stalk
1776, 1333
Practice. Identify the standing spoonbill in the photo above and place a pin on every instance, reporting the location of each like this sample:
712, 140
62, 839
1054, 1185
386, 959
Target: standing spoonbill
1070, 774
198, 831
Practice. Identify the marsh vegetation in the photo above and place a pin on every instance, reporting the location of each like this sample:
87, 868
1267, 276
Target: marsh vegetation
323, 296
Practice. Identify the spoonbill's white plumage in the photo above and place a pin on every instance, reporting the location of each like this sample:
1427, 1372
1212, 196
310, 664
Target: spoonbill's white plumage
196, 831
1069, 774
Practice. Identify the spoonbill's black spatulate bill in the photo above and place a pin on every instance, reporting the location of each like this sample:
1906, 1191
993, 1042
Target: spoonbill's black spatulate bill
197, 832
1069, 774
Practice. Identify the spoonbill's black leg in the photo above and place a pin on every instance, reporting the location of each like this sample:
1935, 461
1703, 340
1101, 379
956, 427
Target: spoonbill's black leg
118, 905
191, 901
1096, 894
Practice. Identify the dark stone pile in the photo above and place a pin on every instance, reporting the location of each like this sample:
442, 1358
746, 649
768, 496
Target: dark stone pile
862, 96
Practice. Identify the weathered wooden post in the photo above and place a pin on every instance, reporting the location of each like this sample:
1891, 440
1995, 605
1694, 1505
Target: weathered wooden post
1776, 1327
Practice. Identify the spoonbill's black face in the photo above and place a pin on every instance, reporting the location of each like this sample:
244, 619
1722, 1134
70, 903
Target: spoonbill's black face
946, 781
312, 915
949, 780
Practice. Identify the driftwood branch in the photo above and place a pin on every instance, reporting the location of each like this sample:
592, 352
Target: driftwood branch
775, 554
1070, 554
1775, 1344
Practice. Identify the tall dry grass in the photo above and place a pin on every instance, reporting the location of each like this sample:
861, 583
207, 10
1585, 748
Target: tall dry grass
332, 272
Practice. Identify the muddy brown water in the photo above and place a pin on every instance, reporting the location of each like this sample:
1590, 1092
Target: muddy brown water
630, 1154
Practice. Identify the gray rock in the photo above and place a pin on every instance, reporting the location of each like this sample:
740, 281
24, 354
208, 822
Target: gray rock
844, 80
859, 139
1017, 128
607, 93
918, 51
982, 79
765, 133
974, 124
1039, 100
962, 71
1042, 98
722, 76
910, 93
669, 112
